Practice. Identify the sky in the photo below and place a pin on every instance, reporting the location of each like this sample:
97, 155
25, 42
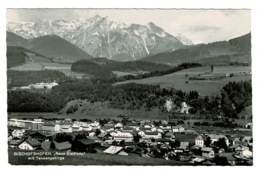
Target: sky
200, 26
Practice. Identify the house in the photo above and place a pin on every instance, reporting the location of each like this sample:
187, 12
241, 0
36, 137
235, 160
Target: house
76, 128
51, 127
18, 133
152, 135
27, 124
67, 120
177, 129
42, 136
94, 138
148, 126
147, 129
186, 138
184, 145
47, 146
10, 137
84, 145
95, 125
14, 143
208, 152
127, 129
238, 148
118, 136
103, 135
113, 150
62, 146
66, 128
133, 125
165, 127
118, 126
30, 144
199, 141
247, 139
108, 127
215, 138
170, 135
184, 108
231, 159
86, 127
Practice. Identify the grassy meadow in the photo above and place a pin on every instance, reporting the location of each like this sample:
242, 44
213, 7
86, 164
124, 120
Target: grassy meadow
180, 80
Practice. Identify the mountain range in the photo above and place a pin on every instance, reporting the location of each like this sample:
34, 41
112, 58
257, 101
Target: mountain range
236, 50
100, 37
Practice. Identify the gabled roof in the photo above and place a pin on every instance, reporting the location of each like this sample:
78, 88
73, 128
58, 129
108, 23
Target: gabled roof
127, 128
41, 133
185, 138
49, 124
200, 138
62, 145
132, 124
87, 141
113, 149
169, 134
33, 142
102, 134
14, 142
46, 146
206, 149
184, 145
151, 133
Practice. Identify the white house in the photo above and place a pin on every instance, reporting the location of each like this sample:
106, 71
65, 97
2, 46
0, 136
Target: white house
51, 127
66, 128
18, 133
118, 136
215, 138
165, 127
27, 124
199, 141
29, 144
133, 125
178, 129
184, 108
208, 152
152, 135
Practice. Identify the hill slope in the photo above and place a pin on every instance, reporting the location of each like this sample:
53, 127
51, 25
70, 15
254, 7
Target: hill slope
57, 48
19, 55
237, 49
51, 46
16, 40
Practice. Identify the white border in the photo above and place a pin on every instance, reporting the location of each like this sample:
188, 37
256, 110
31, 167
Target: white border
194, 4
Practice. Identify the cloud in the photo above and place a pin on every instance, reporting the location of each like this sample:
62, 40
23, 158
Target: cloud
202, 28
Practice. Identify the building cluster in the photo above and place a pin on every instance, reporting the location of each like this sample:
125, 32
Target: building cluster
132, 138
36, 86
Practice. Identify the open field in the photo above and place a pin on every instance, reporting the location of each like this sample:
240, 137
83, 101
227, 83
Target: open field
180, 80
96, 114
37, 66
90, 159
120, 73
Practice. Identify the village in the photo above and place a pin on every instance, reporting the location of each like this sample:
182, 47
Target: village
168, 140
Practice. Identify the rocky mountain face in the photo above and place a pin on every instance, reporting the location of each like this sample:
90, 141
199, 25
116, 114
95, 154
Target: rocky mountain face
100, 37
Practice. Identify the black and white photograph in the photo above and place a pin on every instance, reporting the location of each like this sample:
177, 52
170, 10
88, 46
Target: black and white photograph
129, 86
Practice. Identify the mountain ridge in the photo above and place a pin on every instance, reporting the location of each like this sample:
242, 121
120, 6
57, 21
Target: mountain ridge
236, 50
52, 46
100, 37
